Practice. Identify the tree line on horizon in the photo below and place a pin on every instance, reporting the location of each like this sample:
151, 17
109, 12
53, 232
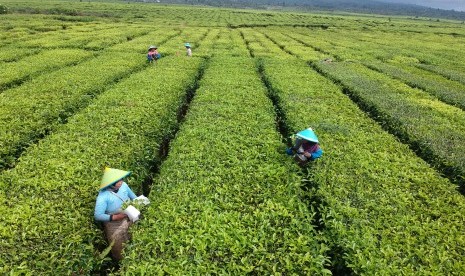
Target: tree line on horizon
356, 6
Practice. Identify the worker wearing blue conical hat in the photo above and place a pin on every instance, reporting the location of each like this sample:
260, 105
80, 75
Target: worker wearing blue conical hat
188, 49
113, 192
306, 147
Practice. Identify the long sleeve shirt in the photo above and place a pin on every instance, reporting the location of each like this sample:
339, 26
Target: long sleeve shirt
314, 150
317, 154
108, 203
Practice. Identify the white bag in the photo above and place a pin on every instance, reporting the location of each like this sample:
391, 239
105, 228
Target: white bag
132, 213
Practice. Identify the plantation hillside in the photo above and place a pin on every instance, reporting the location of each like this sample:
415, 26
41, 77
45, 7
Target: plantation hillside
386, 7
205, 139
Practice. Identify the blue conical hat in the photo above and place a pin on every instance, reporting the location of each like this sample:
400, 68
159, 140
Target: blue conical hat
111, 176
308, 134
187, 45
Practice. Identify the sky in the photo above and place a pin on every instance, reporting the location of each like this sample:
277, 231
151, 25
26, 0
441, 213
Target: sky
458, 5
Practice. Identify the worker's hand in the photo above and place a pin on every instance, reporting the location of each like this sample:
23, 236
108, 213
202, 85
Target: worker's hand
289, 151
307, 154
119, 216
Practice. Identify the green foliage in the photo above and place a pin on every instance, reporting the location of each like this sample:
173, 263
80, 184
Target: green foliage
446, 90
385, 211
225, 201
56, 96
449, 73
358, 195
409, 113
49, 227
16, 72
97, 38
403, 59
77, 95
3, 9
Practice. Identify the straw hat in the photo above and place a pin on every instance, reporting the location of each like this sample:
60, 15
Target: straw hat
153, 47
308, 134
111, 176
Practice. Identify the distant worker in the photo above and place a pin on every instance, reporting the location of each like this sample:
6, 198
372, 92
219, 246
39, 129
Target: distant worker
113, 192
153, 54
306, 147
188, 49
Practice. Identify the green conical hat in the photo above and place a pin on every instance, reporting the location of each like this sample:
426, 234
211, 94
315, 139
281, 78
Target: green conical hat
111, 176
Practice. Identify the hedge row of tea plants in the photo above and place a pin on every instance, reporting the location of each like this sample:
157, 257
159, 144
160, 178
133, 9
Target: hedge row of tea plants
89, 40
73, 88
278, 35
35, 108
101, 41
47, 225
16, 72
307, 99
21, 32
446, 90
140, 44
226, 201
16, 27
455, 75
203, 48
428, 125
433, 128
321, 45
384, 210
255, 44
162, 14
13, 53
430, 48
236, 46
175, 46
399, 67
444, 50
355, 46
423, 52
206, 17
170, 41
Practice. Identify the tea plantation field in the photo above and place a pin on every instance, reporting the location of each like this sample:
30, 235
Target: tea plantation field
205, 137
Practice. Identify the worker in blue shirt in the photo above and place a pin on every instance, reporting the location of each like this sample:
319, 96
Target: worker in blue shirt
306, 147
112, 194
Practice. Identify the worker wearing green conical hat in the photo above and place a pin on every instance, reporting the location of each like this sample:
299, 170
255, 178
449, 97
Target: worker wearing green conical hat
113, 192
